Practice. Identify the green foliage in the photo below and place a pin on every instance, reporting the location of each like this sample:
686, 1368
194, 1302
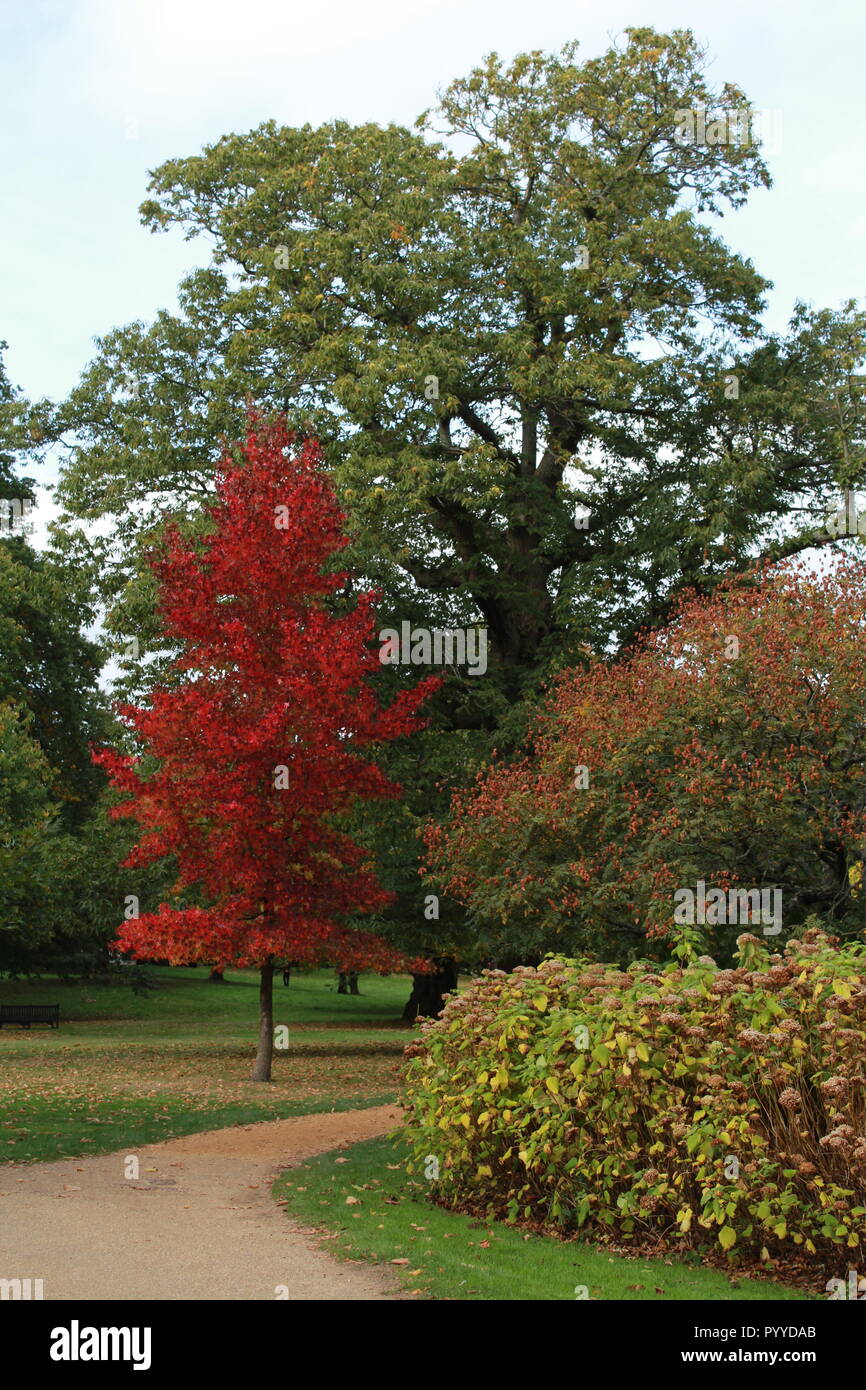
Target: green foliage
13, 437
27, 820
419, 299
48, 667
425, 311
684, 1104
62, 894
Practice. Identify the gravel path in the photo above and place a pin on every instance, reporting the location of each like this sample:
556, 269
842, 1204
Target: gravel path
198, 1223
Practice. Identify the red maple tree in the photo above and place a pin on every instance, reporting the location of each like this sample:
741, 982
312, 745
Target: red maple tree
253, 746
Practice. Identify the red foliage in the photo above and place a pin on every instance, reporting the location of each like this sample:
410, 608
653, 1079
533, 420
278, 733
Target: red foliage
742, 762
273, 674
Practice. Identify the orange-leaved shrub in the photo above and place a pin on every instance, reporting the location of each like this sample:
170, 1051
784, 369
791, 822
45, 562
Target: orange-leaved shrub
685, 1103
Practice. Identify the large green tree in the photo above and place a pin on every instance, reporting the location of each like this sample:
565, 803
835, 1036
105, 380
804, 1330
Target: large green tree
522, 306
487, 329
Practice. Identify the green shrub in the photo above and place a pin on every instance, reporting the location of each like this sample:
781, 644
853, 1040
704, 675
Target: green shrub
684, 1104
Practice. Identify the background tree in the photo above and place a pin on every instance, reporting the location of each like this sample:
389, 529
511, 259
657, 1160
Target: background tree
730, 748
253, 749
520, 307
61, 893
50, 668
13, 437
47, 665
27, 817
486, 332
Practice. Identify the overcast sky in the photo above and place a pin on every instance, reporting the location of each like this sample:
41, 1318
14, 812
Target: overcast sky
96, 92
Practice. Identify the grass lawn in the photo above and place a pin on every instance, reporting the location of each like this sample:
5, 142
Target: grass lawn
125, 1069
367, 1207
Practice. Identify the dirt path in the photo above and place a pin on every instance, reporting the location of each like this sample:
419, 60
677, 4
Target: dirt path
198, 1223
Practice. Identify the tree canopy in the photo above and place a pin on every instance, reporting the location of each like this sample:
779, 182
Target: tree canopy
530, 313
539, 374
255, 747
728, 749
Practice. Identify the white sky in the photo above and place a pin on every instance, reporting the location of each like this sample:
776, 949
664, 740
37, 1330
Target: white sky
93, 93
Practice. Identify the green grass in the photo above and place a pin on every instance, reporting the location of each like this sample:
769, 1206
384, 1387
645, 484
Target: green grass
125, 1069
449, 1256
37, 1130
185, 998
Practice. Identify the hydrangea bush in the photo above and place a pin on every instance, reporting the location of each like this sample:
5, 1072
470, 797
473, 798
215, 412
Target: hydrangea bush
685, 1104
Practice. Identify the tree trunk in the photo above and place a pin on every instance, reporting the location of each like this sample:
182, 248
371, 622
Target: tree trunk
342, 987
265, 1054
353, 982
216, 973
428, 991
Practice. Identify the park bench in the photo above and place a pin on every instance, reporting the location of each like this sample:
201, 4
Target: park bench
25, 1014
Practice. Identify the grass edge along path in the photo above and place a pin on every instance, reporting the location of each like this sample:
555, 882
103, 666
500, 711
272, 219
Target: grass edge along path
361, 1201
125, 1070
134, 1121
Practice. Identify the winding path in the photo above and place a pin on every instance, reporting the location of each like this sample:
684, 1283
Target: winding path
198, 1223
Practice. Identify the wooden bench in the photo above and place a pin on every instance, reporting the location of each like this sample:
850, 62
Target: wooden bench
25, 1014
